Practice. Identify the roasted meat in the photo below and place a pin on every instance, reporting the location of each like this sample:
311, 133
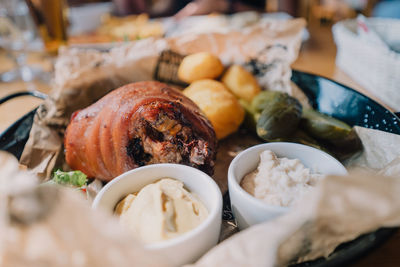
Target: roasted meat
139, 124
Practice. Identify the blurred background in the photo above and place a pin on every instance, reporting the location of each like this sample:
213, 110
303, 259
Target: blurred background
354, 42
32, 31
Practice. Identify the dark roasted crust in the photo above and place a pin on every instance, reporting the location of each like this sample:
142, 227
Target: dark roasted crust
139, 124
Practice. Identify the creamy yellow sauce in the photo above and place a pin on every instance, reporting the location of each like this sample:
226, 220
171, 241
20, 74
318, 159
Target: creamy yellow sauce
161, 211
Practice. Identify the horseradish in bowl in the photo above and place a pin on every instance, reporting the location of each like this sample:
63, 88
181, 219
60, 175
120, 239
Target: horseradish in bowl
265, 180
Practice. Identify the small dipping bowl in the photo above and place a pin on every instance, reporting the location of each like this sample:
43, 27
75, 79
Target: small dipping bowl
189, 246
249, 210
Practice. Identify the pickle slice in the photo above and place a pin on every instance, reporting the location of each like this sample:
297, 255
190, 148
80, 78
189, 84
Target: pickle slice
266, 98
279, 119
323, 126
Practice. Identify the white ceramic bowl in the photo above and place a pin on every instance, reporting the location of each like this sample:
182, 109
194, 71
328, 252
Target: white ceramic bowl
191, 245
249, 210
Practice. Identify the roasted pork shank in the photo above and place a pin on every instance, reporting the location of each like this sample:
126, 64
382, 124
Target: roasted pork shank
138, 124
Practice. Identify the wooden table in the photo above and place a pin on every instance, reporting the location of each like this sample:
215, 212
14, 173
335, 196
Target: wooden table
317, 56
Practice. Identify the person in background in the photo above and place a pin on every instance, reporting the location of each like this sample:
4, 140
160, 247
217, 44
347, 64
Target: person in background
154, 8
201, 7
183, 8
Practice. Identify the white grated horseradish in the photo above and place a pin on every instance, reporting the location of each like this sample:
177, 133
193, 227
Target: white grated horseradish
279, 181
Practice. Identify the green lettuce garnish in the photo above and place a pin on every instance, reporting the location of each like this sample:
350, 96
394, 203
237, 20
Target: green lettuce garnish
73, 178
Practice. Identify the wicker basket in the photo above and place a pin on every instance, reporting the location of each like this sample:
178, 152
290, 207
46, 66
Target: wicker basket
375, 68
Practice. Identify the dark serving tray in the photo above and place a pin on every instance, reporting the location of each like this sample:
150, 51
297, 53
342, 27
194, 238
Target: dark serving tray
325, 95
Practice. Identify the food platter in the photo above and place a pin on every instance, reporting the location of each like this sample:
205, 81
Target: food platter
325, 96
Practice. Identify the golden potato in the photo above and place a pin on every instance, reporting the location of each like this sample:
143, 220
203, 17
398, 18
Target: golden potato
241, 83
200, 66
219, 105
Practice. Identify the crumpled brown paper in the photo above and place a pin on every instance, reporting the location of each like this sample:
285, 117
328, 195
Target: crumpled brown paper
53, 226
338, 210
378, 150
84, 76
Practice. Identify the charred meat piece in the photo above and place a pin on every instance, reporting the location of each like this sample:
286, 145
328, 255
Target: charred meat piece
139, 124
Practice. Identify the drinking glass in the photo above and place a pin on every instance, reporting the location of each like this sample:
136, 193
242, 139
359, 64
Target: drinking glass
17, 32
50, 17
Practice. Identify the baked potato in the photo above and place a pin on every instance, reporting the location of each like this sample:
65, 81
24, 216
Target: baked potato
241, 83
200, 66
218, 104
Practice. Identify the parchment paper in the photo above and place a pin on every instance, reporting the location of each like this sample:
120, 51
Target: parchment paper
50, 226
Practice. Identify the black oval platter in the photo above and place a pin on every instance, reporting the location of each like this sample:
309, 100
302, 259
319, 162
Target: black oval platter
325, 95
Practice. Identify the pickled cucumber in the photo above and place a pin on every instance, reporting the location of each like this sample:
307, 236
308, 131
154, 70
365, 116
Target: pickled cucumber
280, 116
266, 98
323, 126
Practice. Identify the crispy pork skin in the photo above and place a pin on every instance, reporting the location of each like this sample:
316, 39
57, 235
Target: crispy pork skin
135, 125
